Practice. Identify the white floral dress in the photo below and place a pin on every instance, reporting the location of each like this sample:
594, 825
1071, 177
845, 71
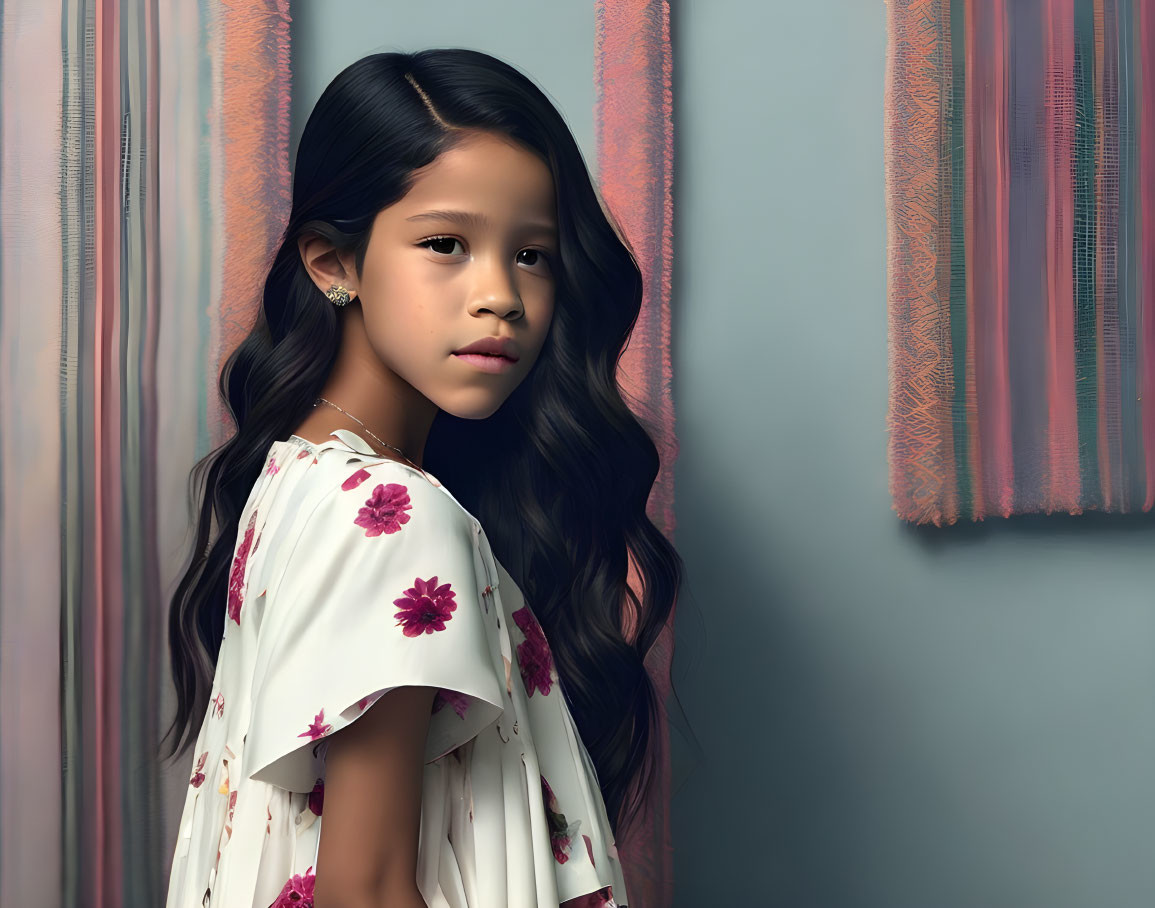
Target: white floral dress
354, 574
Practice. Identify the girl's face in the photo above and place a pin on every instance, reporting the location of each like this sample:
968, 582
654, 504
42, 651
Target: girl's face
468, 253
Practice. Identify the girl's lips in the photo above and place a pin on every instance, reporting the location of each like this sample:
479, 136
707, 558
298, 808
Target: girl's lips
486, 362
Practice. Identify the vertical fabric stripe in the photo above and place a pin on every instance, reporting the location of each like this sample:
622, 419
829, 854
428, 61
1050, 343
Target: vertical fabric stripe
1064, 485
1026, 316
142, 624
921, 436
254, 69
76, 187
987, 277
1083, 252
1134, 490
974, 428
31, 347
955, 49
633, 67
1106, 232
107, 593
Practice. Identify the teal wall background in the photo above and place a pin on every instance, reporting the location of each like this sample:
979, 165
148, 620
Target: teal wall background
889, 717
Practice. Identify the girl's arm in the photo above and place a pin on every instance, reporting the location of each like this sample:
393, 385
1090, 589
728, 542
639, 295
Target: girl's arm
367, 854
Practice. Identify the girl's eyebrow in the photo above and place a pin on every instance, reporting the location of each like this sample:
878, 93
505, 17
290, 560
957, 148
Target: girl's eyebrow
474, 219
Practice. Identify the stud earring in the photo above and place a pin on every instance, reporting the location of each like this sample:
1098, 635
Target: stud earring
338, 295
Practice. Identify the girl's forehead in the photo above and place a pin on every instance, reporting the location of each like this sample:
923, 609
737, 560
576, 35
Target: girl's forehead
484, 165
479, 190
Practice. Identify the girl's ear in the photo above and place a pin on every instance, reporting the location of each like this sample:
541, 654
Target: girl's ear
325, 265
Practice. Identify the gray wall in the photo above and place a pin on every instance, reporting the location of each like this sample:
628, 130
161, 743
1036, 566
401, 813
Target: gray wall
889, 717
327, 36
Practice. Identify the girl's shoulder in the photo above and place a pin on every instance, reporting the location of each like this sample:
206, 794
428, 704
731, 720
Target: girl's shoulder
348, 472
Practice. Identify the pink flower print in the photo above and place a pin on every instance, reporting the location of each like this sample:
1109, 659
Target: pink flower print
456, 699
219, 705
232, 803
365, 702
237, 576
318, 729
425, 607
355, 480
385, 510
198, 776
268, 825
561, 834
589, 849
272, 467
298, 891
534, 658
303, 455
317, 797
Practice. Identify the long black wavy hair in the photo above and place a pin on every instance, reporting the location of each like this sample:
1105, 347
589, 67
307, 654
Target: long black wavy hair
559, 475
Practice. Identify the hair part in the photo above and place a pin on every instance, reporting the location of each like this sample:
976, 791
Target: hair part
428, 104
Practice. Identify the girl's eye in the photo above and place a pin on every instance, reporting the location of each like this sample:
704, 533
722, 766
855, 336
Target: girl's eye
537, 257
450, 240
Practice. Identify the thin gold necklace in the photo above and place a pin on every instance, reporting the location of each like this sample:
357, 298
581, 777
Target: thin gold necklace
321, 400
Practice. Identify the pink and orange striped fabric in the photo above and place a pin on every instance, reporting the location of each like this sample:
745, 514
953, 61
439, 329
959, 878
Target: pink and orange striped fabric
144, 168
1020, 190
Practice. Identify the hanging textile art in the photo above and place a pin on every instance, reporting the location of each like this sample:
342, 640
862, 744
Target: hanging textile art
143, 180
1020, 196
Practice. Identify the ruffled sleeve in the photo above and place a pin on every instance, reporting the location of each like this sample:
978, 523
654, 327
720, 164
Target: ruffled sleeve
384, 587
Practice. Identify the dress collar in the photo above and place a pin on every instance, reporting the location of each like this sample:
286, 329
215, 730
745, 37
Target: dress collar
353, 440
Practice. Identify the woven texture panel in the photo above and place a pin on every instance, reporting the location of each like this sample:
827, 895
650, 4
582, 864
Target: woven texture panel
1020, 186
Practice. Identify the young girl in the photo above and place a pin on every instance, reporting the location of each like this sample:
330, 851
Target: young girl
409, 709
